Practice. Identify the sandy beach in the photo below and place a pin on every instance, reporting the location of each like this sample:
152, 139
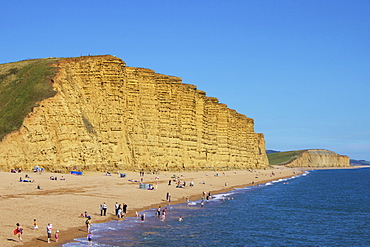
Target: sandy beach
61, 202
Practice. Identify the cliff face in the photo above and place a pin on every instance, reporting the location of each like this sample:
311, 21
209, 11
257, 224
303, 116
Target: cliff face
320, 158
107, 116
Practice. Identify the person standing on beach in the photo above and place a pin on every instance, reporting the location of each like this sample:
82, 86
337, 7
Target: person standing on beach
124, 209
49, 227
19, 231
167, 196
159, 211
119, 211
57, 236
35, 225
101, 209
116, 207
88, 223
104, 209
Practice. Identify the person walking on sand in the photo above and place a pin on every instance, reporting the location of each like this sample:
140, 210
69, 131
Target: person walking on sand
19, 231
49, 227
89, 238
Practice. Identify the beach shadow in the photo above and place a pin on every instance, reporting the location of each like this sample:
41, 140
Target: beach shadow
13, 240
81, 230
42, 240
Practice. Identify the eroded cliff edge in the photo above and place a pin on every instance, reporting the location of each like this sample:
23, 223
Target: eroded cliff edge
107, 116
309, 158
320, 158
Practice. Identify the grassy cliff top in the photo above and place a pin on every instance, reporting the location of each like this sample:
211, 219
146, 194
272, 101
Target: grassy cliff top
282, 158
22, 84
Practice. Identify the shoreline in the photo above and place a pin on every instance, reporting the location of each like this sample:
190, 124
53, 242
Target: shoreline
80, 232
198, 197
61, 202
132, 214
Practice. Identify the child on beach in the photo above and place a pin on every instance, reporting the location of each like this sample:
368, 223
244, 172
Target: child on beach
35, 225
89, 238
88, 223
57, 236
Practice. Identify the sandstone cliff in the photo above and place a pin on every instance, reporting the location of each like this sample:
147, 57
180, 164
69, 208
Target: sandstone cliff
107, 116
319, 158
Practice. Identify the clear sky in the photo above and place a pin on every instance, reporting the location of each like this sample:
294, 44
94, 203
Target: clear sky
299, 68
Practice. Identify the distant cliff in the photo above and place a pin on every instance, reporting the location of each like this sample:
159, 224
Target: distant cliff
359, 162
107, 116
309, 158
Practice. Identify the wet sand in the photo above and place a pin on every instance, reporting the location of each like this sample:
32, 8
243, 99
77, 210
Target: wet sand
61, 202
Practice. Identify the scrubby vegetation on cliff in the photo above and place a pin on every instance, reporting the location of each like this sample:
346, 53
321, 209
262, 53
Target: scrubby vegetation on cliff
282, 158
22, 84
309, 158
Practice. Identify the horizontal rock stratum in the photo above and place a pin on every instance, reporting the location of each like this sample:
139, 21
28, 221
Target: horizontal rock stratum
106, 116
320, 158
309, 158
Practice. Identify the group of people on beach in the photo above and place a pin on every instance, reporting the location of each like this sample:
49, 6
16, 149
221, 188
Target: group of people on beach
26, 179
19, 231
103, 209
16, 170
179, 183
120, 210
88, 226
161, 213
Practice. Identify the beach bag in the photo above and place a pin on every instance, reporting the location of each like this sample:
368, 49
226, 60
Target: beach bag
15, 231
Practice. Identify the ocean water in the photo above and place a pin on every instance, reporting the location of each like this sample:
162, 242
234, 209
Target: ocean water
318, 208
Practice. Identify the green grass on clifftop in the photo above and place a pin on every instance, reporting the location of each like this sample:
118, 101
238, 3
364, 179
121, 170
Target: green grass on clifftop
282, 158
22, 84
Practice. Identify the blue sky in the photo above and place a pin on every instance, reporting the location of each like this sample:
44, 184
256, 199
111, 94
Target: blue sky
299, 68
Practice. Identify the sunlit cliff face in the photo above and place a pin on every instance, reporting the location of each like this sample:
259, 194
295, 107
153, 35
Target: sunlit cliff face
107, 116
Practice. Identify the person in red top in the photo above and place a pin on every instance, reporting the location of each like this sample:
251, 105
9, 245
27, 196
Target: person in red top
19, 231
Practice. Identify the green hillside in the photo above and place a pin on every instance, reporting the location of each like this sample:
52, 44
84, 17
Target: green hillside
22, 84
282, 158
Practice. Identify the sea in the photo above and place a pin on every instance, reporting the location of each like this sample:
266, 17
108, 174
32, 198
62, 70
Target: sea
317, 208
